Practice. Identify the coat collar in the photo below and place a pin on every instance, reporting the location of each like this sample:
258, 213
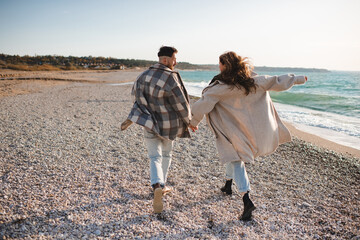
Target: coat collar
162, 67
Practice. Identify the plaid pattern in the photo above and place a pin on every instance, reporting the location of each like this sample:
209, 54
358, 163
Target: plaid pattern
161, 102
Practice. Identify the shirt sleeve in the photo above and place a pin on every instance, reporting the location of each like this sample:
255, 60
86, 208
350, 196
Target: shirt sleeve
279, 83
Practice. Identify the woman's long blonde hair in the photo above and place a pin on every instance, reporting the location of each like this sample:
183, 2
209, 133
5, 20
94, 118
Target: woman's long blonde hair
237, 72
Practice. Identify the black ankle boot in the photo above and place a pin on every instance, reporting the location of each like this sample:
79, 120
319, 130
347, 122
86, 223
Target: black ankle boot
227, 188
248, 208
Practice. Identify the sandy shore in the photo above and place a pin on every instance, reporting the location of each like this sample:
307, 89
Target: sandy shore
68, 172
94, 76
21, 82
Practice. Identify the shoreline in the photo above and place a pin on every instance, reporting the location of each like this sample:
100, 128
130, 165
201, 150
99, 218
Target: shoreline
22, 82
322, 142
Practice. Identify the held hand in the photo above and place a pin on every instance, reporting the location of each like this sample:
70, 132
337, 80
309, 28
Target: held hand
193, 128
305, 78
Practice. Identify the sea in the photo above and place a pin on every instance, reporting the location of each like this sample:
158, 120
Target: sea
328, 105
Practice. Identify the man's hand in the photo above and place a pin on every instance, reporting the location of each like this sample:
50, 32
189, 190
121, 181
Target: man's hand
193, 128
126, 124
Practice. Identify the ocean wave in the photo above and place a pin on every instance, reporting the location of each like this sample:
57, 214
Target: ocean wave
348, 106
340, 129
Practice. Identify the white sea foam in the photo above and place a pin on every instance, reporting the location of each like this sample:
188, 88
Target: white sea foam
195, 88
336, 128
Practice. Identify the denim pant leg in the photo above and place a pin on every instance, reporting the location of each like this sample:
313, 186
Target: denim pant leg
229, 172
159, 151
166, 157
239, 175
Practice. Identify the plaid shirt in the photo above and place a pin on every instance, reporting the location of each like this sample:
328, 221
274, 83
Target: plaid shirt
161, 102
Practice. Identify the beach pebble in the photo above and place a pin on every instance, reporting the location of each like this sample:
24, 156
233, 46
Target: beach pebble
306, 205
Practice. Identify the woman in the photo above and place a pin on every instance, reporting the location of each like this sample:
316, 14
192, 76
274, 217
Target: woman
242, 116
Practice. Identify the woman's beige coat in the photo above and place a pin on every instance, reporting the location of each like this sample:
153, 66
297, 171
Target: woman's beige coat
245, 126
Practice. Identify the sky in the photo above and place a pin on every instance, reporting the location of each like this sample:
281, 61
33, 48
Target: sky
274, 33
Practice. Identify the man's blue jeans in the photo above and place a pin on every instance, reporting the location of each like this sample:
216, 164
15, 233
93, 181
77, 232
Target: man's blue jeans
159, 151
237, 171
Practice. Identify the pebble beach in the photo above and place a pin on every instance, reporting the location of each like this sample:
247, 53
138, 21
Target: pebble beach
67, 171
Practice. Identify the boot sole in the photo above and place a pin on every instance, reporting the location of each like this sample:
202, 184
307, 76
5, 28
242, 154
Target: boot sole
158, 204
246, 216
225, 192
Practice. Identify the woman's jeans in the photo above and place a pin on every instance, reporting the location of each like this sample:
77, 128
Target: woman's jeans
237, 171
159, 151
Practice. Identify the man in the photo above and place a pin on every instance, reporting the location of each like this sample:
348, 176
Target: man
162, 107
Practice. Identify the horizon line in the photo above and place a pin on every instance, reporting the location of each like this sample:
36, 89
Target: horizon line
212, 64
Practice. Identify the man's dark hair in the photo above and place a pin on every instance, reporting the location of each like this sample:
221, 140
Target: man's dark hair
166, 51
